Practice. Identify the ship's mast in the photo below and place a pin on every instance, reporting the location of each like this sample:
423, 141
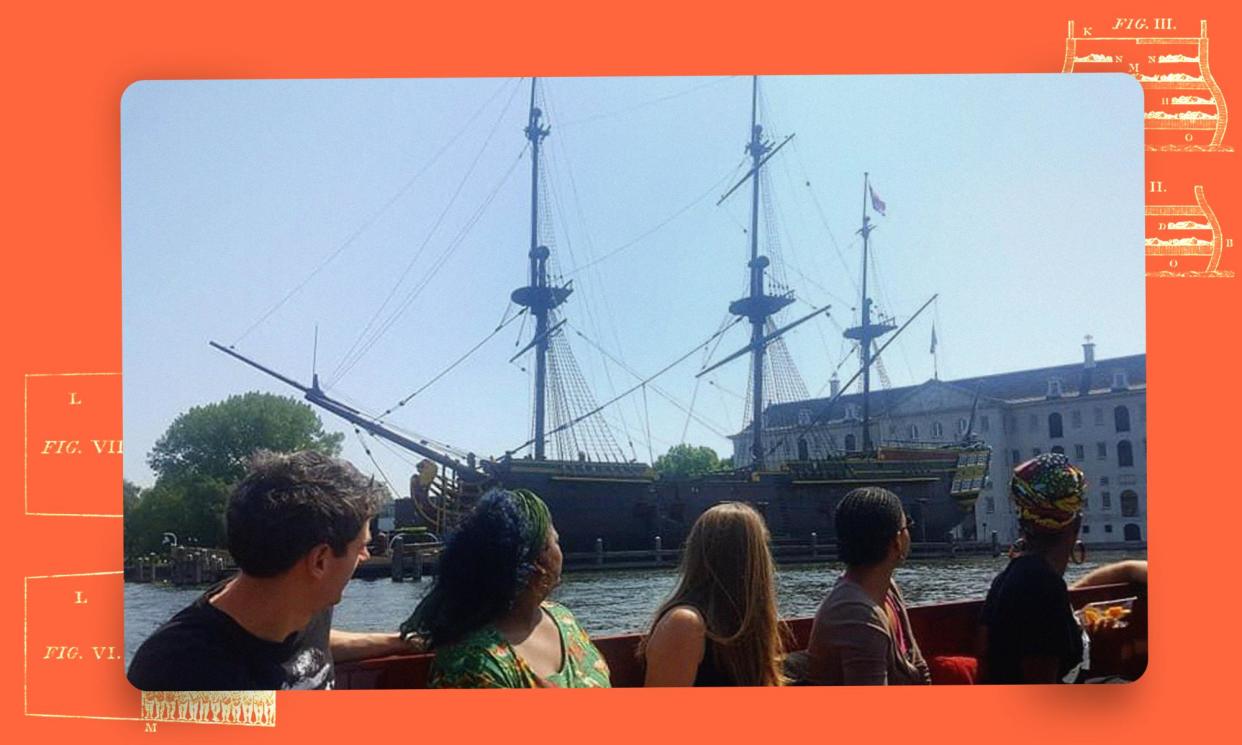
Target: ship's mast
867, 331
538, 296
757, 306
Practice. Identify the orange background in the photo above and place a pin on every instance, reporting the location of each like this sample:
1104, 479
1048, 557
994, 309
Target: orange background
66, 67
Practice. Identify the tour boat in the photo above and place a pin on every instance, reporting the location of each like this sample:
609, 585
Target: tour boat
946, 633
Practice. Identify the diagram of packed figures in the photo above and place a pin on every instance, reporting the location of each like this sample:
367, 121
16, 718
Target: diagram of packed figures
1184, 108
1184, 240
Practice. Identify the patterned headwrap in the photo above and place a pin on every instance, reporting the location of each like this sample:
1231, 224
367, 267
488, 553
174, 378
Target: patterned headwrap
536, 519
1048, 492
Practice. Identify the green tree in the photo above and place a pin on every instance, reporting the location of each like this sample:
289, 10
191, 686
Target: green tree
202, 455
685, 460
215, 440
130, 494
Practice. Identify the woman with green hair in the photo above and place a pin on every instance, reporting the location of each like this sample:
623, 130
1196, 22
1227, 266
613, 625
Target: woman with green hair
487, 616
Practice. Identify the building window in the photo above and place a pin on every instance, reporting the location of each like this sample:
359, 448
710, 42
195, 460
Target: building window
1080, 453
1086, 529
989, 504
1058, 449
1119, 380
804, 452
1055, 427
850, 443
804, 417
1133, 532
985, 425
1033, 423
1014, 457
1125, 454
1101, 451
1129, 504
962, 424
851, 412
1076, 419
1106, 500
1010, 423
1103, 481
1099, 416
1121, 418
914, 432
937, 430
1108, 528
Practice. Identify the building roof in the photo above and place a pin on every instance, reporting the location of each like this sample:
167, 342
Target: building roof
1010, 387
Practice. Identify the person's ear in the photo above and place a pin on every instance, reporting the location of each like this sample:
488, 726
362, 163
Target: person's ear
316, 560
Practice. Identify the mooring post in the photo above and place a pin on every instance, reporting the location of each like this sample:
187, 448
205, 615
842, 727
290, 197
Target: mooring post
814, 544
599, 552
418, 565
659, 545
995, 544
398, 558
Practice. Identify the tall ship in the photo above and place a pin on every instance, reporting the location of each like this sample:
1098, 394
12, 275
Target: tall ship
791, 473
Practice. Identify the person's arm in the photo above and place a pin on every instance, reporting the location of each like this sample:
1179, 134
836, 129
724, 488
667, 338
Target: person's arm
1117, 573
676, 648
353, 645
864, 654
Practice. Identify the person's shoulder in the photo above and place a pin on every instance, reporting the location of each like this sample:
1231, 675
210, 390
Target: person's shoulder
184, 656
481, 659
1033, 571
848, 603
682, 621
562, 615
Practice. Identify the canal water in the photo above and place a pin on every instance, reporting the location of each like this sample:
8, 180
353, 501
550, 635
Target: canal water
608, 602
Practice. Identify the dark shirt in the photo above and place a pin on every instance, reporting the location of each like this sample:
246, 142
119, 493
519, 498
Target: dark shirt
710, 673
203, 649
1028, 615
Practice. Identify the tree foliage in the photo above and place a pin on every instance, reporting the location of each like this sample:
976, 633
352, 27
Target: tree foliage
684, 460
202, 455
215, 440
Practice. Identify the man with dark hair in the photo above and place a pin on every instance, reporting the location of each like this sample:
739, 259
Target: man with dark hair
862, 633
298, 524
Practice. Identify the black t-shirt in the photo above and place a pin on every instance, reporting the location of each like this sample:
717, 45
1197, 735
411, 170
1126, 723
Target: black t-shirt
1028, 614
203, 649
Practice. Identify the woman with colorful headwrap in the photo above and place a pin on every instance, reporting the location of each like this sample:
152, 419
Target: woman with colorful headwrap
1028, 632
487, 616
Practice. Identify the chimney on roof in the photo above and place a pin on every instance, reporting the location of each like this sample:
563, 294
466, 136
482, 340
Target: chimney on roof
835, 384
1088, 365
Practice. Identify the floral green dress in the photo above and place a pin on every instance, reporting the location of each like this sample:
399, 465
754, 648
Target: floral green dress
483, 659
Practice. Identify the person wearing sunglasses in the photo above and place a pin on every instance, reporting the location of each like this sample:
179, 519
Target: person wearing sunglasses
862, 634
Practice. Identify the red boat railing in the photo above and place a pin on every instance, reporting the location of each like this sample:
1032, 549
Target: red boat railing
945, 631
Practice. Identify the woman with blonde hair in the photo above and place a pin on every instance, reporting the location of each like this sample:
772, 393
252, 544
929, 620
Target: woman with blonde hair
719, 627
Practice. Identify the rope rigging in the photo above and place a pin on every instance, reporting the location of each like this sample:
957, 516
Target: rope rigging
362, 344
368, 222
630, 390
449, 369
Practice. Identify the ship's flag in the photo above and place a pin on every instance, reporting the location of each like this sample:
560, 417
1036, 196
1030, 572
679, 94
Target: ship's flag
876, 203
933, 342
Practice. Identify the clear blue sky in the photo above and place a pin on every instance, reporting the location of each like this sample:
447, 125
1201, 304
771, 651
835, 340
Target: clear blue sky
1017, 198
